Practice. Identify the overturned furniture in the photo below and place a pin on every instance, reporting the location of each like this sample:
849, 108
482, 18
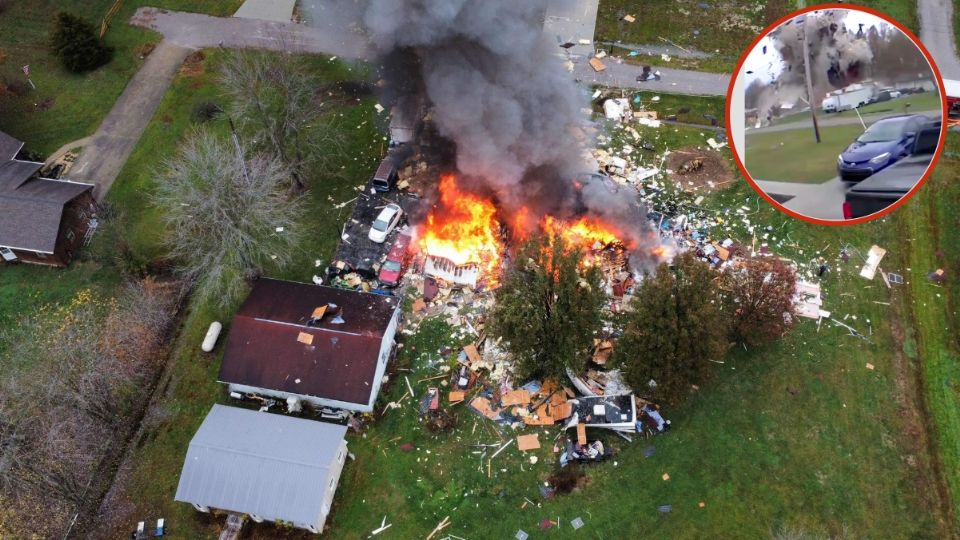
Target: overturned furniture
618, 413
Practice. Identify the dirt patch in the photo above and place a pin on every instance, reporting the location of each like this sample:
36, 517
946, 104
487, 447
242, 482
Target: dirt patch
696, 170
194, 65
144, 50
45, 104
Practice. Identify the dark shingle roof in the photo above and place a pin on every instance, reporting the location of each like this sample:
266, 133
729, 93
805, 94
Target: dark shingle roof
30, 207
9, 146
339, 364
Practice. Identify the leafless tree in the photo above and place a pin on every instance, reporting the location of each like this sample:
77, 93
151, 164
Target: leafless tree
227, 216
73, 396
275, 101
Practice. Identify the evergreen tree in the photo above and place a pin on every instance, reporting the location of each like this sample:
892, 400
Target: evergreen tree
74, 42
675, 326
548, 309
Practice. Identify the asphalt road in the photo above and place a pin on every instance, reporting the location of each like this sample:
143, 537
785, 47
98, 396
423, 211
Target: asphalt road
836, 121
195, 30
936, 33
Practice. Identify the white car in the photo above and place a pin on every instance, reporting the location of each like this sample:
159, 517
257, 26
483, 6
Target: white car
387, 220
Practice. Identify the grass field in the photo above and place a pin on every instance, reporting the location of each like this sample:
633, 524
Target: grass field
722, 28
697, 108
794, 155
193, 387
928, 224
825, 458
65, 106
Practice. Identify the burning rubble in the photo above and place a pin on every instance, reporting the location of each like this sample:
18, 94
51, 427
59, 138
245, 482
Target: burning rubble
514, 120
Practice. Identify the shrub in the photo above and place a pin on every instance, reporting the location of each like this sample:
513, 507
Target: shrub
74, 42
206, 111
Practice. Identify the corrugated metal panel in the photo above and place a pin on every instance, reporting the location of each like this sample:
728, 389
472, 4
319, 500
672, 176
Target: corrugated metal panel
274, 466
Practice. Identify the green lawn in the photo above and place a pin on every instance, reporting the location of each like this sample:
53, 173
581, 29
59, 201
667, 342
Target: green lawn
917, 103
723, 29
928, 224
826, 458
670, 104
66, 107
794, 155
193, 387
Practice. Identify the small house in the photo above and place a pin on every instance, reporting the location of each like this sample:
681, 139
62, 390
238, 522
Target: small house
42, 220
268, 466
324, 346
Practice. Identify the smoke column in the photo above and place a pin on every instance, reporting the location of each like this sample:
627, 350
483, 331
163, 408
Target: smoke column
500, 92
838, 58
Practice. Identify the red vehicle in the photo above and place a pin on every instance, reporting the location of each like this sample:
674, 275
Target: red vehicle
953, 98
392, 268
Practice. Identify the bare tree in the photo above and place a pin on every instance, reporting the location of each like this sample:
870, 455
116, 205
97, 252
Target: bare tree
275, 101
762, 294
73, 396
227, 216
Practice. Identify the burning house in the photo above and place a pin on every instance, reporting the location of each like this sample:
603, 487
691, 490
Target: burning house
514, 122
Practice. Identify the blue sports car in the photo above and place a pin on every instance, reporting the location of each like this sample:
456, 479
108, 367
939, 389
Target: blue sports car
881, 145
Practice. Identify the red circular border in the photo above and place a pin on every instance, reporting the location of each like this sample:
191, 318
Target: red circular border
926, 174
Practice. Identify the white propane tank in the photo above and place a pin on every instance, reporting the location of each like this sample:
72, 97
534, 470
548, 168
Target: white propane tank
210, 340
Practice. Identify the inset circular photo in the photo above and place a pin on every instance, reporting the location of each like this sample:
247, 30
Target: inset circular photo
836, 115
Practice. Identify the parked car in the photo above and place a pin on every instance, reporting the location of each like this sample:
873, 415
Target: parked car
386, 221
386, 176
396, 262
890, 185
881, 145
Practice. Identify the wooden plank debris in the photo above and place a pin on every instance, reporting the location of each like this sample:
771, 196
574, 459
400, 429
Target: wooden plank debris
528, 442
597, 65
482, 404
629, 18
515, 397
305, 338
456, 396
472, 354
581, 434
419, 305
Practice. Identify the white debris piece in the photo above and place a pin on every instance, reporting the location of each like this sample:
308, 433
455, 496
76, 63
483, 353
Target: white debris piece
714, 144
874, 256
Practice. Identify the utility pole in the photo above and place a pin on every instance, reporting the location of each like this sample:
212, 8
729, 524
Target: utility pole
806, 70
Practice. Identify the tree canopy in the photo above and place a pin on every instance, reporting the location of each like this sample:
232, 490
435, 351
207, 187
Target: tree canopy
674, 326
227, 215
548, 308
74, 41
761, 297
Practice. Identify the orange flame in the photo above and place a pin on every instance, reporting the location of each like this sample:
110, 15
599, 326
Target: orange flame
463, 229
663, 252
585, 232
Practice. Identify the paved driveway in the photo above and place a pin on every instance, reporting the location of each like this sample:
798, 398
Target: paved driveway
936, 32
822, 201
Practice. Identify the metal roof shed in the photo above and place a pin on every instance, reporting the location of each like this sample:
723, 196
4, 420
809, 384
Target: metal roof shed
272, 467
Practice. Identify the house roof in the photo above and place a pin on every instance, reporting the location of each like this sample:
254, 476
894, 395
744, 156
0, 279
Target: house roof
260, 463
9, 147
270, 345
31, 208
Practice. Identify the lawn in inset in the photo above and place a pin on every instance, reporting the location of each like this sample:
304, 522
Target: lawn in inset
793, 155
